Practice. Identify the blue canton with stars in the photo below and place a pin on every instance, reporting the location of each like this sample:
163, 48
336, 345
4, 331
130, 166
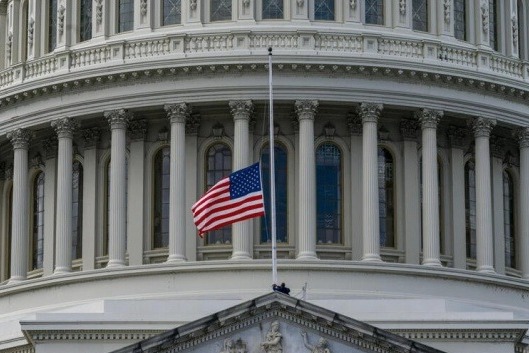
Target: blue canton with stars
245, 181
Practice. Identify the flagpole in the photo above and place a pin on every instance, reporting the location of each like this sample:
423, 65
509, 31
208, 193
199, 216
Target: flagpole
272, 171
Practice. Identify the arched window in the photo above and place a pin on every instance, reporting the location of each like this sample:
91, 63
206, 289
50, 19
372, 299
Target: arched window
77, 210
470, 208
272, 9
508, 220
281, 186
386, 187
329, 194
324, 10
419, 11
162, 162
220, 10
218, 166
52, 25
38, 222
460, 19
85, 20
172, 12
126, 15
493, 28
374, 12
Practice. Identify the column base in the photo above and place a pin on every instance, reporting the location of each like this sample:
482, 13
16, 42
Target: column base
307, 255
372, 258
432, 263
16, 279
176, 259
116, 264
61, 270
486, 269
240, 255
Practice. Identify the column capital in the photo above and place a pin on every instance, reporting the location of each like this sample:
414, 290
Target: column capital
177, 112
137, 129
482, 126
522, 135
64, 127
370, 112
306, 109
429, 118
91, 137
241, 109
118, 119
408, 129
20, 138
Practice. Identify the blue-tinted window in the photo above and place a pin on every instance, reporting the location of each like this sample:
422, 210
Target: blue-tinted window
508, 220
280, 162
162, 162
218, 166
419, 10
374, 12
126, 15
329, 193
38, 221
85, 21
386, 186
52, 25
272, 9
77, 210
324, 10
460, 21
470, 209
172, 12
220, 10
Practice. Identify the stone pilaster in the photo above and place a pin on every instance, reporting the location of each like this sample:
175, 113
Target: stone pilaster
241, 231
118, 120
430, 187
484, 241
370, 113
63, 238
306, 111
19, 232
178, 114
523, 139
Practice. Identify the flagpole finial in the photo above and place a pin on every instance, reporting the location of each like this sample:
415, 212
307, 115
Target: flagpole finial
269, 50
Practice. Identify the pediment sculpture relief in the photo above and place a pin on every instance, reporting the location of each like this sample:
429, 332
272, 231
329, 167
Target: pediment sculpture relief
321, 347
231, 346
272, 342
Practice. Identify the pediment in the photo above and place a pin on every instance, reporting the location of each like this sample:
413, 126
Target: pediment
276, 323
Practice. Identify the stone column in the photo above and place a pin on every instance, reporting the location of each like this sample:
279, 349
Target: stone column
19, 231
306, 111
118, 120
370, 112
412, 211
191, 184
241, 231
523, 139
484, 242
177, 114
63, 236
430, 186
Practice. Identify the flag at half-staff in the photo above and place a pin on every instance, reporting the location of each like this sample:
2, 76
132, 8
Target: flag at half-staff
235, 198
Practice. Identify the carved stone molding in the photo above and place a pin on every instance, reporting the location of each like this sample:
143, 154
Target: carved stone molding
9, 45
242, 109
446, 7
137, 129
193, 123
408, 129
354, 122
402, 7
370, 112
306, 109
352, 4
91, 137
118, 119
64, 127
482, 126
192, 5
31, 31
143, 7
60, 19
20, 138
522, 135
497, 146
246, 3
50, 146
457, 136
178, 112
99, 11
514, 26
233, 346
484, 8
428, 118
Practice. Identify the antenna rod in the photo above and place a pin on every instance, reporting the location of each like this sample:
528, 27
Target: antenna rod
272, 171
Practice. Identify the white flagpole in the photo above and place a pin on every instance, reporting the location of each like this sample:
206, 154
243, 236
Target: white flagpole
272, 171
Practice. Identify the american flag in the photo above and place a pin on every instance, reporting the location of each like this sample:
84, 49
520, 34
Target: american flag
235, 198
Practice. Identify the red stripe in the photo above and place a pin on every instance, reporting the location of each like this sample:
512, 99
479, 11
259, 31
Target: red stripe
228, 222
230, 215
204, 214
218, 188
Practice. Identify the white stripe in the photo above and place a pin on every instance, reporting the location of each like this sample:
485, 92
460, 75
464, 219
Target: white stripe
233, 218
200, 219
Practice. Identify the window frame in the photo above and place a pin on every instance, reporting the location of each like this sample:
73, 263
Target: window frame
395, 198
154, 155
31, 249
383, 15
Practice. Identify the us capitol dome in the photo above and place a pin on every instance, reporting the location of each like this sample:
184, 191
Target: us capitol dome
401, 150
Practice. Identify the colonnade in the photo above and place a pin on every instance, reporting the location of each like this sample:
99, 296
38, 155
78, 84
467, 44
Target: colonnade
306, 111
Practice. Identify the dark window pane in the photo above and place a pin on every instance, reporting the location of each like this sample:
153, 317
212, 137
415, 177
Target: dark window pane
386, 177
85, 23
420, 15
77, 210
172, 12
126, 15
374, 12
38, 221
460, 13
324, 10
220, 10
470, 209
508, 220
161, 198
272, 9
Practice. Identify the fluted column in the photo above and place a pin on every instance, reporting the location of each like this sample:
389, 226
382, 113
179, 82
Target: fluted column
306, 111
19, 231
118, 120
63, 236
430, 187
484, 242
523, 139
370, 113
241, 111
177, 114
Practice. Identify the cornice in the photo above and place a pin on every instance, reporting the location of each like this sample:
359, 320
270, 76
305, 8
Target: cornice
496, 335
89, 335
